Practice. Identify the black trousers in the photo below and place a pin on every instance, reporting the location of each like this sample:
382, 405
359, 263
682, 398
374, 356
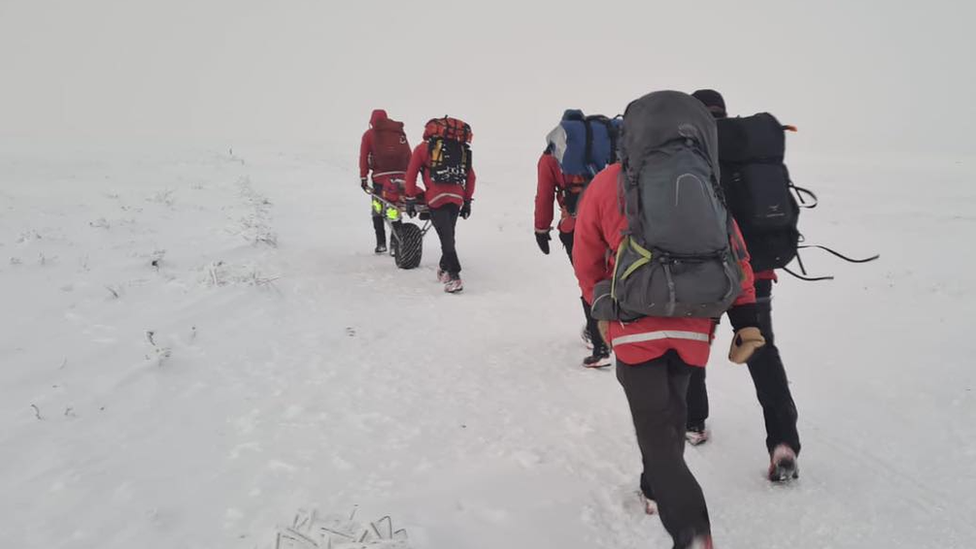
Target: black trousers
444, 218
656, 394
769, 377
591, 325
379, 227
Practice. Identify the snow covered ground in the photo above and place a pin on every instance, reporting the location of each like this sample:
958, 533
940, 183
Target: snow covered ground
289, 368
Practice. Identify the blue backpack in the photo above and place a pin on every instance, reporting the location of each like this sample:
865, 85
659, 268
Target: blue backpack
584, 145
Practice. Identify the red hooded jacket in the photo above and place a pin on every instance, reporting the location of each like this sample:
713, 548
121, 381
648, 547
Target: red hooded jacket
367, 143
599, 230
434, 194
550, 185
390, 189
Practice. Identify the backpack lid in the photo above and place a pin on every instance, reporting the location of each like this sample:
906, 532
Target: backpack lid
756, 138
388, 125
661, 117
448, 128
573, 114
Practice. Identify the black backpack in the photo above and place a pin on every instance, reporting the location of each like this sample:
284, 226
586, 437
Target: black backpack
758, 188
677, 257
450, 161
449, 151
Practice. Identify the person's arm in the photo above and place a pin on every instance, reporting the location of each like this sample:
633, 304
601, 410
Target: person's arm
364, 148
413, 169
469, 185
748, 294
744, 314
545, 189
589, 243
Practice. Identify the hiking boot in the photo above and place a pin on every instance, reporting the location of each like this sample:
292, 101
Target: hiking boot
380, 249
453, 285
650, 506
599, 359
442, 276
701, 542
696, 434
782, 464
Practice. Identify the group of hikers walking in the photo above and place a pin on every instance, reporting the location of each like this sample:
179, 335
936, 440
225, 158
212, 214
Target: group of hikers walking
442, 160
672, 215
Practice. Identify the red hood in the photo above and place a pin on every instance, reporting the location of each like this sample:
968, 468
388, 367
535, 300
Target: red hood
378, 115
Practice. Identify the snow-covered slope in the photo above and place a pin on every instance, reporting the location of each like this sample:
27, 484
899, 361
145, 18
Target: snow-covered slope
290, 368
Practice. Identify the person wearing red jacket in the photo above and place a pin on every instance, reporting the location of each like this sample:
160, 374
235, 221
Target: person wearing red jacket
765, 367
554, 185
655, 360
445, 202
384, 151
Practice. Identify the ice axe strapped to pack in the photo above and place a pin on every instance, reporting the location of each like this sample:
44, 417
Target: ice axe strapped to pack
448, 147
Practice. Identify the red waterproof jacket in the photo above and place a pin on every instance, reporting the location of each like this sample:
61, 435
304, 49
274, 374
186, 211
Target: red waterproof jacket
366, 145
436, 195
389, 182
599, 230
551, 184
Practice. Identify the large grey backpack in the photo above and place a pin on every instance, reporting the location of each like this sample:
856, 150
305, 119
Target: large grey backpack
676, 257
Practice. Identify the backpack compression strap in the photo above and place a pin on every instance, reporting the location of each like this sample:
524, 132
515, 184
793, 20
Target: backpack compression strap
803, 269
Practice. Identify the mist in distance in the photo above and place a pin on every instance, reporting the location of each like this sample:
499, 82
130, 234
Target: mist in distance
870, 77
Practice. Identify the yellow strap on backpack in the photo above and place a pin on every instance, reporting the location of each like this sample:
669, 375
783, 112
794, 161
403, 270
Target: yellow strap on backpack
645, 258
437, 155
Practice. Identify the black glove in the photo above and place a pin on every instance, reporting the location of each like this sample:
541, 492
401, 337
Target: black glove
465, 210
364, 184
542, 239
411, 206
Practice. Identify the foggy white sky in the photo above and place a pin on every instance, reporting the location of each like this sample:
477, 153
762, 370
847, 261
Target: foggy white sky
871, 74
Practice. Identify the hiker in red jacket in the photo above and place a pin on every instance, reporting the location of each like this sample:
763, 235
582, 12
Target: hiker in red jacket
565, 190
444, 158
656, 355
765, 367
384, 151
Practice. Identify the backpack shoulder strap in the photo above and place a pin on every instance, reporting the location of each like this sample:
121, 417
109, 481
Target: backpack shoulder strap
588, 149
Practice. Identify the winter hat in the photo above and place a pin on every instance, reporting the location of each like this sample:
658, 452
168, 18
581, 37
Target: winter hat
713, 100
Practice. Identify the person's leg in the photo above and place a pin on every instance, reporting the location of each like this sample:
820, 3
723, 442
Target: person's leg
769, 377
438, 219
697, 400
691, 514
567, 240
444, 219
379, 227
656, 392
448, 245
600, 347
